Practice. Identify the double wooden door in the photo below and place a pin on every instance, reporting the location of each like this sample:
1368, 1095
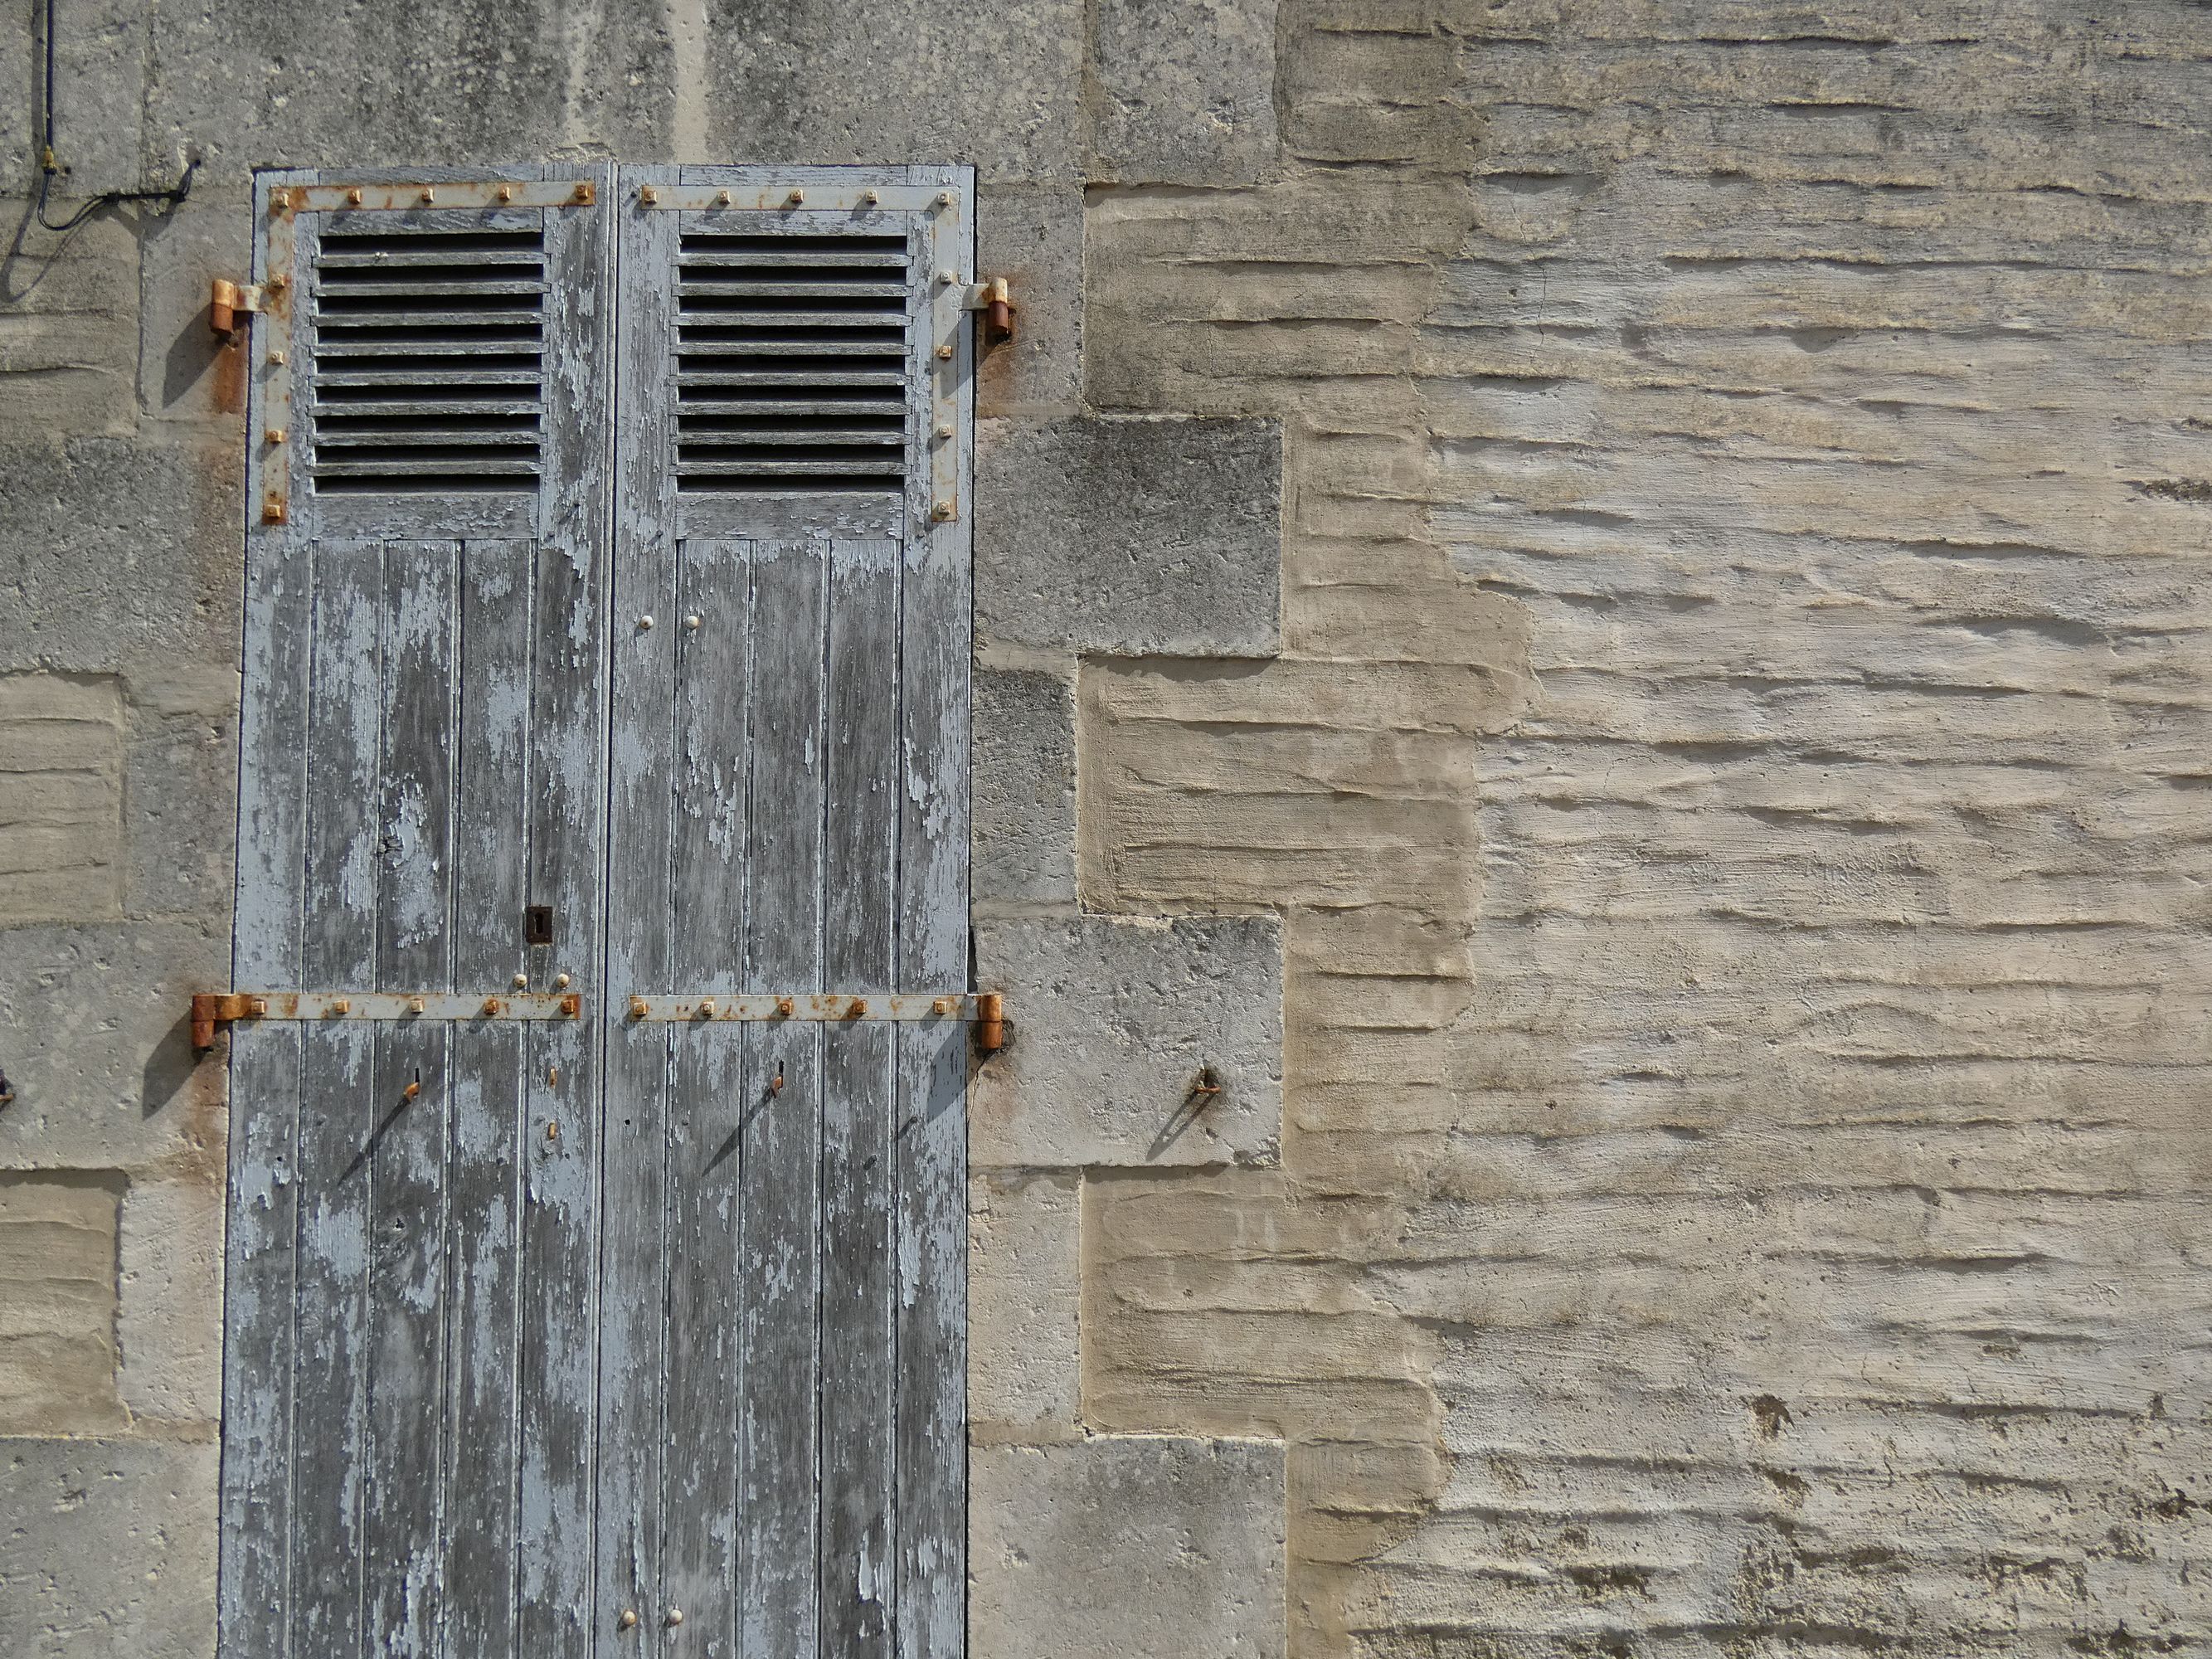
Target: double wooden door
606, 646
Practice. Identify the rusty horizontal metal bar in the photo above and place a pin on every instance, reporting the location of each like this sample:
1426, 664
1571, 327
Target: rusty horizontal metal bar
210, 1010
439, 193
825, 1008
797, 199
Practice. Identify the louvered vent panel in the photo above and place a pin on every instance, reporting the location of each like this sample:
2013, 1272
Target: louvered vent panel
430, 365
790, 362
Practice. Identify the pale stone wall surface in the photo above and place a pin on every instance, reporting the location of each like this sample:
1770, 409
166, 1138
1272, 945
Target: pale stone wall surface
1590, 789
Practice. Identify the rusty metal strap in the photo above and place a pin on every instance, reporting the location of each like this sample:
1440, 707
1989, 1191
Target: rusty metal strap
210, 1010
826, 1008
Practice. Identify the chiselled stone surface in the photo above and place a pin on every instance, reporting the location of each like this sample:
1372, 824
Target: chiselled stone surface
1129, 535
1183, 96
1114, 1021
1024, 1289
1024, 789
57, 1257
61, 799
1118, 1546
107, 1549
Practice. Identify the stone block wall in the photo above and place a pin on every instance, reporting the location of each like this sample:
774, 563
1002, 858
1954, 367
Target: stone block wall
1590, 714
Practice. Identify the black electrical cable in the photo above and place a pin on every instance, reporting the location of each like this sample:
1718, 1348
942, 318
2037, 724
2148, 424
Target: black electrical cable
169, 198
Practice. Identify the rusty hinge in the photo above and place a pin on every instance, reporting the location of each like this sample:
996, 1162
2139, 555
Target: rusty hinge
994, 298
211, 1009
228, 301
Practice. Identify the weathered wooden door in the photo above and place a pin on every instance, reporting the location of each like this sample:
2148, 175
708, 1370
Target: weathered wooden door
606, 681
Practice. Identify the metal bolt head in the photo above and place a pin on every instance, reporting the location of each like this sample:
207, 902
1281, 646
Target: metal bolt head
691, 621
522, 981
644, 622
723, 198
795, 199
585, 195
943, 429
648, 195
676, 1615
560, 981
428, 194
354, 197
944, 354
629, 1617
507, 192
783, 1007
940, 511
871, 196
272, 510
706, 1007
491, 1004
280, 201
278, 357
552, 1132
940, 1005
945, 198
275, 434
948, 277
638, 1008
341, 1007
417, 1006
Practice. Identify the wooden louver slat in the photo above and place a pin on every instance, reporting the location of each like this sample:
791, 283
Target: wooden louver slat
790, 359
429, 350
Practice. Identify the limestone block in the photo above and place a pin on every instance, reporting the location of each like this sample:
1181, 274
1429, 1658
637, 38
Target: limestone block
170, 1323
1024, 788
61, 798
185, 373
915, 81
181, 790
1113, 1021
107, 1549
1032, 235
69, 355
297, 83
1024, 1284
57, 1303
1185, 95
1130, 535
1169, 1548
99, 71
113, 552
96, 1040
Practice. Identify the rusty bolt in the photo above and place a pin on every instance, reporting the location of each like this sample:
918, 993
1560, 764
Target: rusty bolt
945, 198
272, 510
552, 1132
859, 1010
491, 1004
648, 195
638, 1009
340, 1008
783, 1007
706, 1008
942, 1006
585, 195
428, 194
417, 1006
280, 201
507, 192
945, 353
410, 1092
941, 511
354, 196
795, 199
275, 434
722, 198
256, 1008
871, 196
943, 429
278, 356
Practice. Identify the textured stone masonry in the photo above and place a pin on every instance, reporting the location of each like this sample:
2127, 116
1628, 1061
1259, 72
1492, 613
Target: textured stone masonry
1602, 604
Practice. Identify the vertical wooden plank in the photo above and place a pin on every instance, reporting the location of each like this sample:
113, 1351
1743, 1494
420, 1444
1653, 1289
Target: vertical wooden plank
264, 1084
931, 1134
779, 1243
566, 824
858, 945
344, 723
406, 1309
483, 1190
254, 1610
633, 1321
708, 1097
